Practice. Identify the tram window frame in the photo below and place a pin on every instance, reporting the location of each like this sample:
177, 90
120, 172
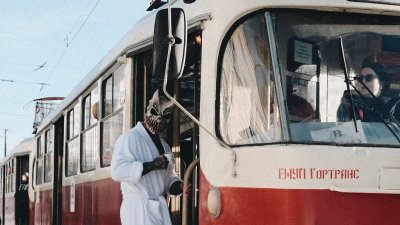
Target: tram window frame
113, 90
89, 128
7, 179
48, 155
39, 160
1, 180
73, 142
256, 133
13, 175
10, 176
143, 69
8, 190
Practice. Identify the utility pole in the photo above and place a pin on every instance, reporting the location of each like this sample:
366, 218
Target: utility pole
5, 142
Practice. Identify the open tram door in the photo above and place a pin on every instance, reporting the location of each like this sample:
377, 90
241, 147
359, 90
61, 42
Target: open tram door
57, 173
176, 70
21, 193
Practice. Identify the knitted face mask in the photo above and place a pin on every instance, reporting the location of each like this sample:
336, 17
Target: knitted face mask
158, 114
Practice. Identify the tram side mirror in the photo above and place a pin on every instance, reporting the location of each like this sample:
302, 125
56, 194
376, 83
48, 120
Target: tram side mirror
161, 42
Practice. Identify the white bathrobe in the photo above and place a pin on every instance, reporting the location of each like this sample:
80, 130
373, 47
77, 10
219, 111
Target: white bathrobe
143, 202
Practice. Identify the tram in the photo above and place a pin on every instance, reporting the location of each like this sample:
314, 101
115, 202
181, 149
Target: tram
276, 122
15, 194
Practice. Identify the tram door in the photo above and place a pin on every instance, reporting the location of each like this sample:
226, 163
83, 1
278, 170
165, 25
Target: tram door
182, 132
21, 193
185, 144
57, 184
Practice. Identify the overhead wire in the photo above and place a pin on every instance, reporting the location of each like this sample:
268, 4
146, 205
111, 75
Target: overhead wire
57, 65
73, 38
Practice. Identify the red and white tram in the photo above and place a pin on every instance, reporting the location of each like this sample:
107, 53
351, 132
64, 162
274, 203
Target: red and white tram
267, 80
15, 193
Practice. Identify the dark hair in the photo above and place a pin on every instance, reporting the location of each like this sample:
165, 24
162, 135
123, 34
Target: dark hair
380, 71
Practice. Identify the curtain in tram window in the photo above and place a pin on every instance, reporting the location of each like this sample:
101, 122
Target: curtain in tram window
111, 130
48, 167
72, 156
89, 149
248, 106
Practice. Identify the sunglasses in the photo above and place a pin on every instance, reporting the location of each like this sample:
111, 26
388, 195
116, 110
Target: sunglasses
367, 78
154, 112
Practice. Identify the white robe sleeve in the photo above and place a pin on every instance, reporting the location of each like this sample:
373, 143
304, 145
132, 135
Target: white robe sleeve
125, 167
172, 177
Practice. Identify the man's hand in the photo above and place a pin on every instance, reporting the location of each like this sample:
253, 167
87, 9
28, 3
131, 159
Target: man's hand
161, 162
177, 188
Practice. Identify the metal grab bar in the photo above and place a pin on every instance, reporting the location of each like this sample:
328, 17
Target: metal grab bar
186, 178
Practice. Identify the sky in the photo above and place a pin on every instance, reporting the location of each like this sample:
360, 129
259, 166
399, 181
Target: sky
47, 47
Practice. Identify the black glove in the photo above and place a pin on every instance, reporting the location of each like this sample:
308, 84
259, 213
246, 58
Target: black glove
159, 163
176, 188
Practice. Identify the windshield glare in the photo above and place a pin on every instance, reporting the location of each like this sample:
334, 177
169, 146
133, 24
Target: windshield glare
339, 73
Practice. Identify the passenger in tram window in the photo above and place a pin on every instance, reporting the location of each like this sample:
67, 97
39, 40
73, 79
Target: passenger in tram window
95, 110
139, 162
300, 110
24, 182
370, 108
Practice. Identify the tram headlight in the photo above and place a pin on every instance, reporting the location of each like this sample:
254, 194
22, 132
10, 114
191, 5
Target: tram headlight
214, 202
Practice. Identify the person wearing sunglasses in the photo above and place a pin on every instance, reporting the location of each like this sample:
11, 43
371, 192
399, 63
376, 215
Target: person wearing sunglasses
368, 83
371, 104
140, 164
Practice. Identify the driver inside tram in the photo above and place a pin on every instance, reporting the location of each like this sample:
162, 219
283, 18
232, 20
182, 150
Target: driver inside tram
370, 100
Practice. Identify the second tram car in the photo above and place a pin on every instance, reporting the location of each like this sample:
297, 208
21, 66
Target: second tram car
15, 193
292, 131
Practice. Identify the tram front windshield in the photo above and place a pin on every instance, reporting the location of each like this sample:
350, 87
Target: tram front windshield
339, 76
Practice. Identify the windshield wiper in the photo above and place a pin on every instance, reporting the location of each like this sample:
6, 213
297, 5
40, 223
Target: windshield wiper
348, 83
379, 113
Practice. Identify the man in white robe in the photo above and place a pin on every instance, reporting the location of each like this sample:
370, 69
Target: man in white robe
139, 163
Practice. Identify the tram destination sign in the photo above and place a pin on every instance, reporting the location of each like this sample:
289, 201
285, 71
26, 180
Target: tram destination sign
386, 2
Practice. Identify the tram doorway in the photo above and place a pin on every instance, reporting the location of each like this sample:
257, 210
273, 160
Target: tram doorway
21, 194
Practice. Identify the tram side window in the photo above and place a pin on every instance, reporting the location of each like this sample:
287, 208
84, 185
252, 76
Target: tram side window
72, 147
90, 134
6, 177
113, 95
13, 175
8, 180
10, 176
248, 108
48, 155
2, 180
7, 186
39, 160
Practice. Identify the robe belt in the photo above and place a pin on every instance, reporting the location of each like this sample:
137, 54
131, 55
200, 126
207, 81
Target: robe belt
141, 196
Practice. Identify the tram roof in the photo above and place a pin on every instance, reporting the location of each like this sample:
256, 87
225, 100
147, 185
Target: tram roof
24, 147
141, 34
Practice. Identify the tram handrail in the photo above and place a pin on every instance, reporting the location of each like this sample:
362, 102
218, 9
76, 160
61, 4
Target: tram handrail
186, 179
